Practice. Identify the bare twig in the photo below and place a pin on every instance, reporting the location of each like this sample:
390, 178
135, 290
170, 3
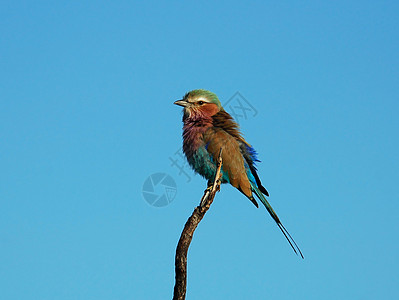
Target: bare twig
188, 231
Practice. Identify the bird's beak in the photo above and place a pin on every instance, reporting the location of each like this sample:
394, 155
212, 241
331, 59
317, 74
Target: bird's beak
181, 103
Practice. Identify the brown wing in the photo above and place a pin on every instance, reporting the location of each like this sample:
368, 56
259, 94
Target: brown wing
223, 120
233, 161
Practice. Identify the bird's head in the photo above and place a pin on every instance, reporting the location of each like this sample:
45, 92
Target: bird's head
200, 104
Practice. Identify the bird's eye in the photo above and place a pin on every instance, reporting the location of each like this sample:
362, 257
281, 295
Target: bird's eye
200, 102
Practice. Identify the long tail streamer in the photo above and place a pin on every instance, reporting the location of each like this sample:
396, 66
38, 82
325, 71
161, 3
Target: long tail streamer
273, 214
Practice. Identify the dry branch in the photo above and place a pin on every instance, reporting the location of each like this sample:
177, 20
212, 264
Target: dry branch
188, 231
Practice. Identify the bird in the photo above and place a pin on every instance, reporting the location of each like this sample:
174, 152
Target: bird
207, 128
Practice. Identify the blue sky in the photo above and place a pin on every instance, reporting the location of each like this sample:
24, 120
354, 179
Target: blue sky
86, 114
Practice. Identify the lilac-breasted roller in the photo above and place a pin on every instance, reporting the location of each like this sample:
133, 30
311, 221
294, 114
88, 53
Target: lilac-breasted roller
207, 127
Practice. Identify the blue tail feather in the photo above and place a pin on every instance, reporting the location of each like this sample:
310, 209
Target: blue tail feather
273, 214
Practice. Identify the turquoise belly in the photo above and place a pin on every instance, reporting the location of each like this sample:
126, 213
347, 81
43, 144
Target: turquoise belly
202, 163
